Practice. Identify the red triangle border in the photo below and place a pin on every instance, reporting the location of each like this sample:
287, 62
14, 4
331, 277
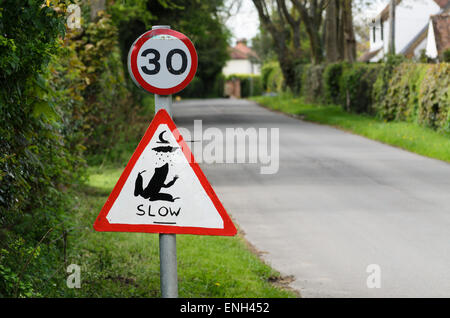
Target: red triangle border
102, 224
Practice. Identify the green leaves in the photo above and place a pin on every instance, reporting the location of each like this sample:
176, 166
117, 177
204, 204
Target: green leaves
39, 156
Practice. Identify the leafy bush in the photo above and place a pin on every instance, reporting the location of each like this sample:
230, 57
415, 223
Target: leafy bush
394, 90
311, 86
40, 157
381, 84
298, 71
356, 87
416, 93
272, 77
446, 56
401, 99
251, 85
197, 89
331, 79
434, 97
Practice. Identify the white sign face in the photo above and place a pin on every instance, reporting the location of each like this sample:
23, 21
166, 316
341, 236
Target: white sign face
162, 189
162, 61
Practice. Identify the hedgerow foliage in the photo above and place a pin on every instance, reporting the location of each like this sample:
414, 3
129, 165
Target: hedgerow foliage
311, 82
251, 85
40, 157
394, 90
272, 77
63, 96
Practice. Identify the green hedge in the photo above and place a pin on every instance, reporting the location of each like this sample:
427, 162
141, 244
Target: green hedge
40, 154
395, 90
198, 89
251, 85
434, 97
311, 85
355, 85
272, 77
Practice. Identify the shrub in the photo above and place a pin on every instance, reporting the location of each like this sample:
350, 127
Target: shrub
311, 84
434, 97
272, 77
198, 89
299, 69
331, 79
40, 157
219, 86
356, 87
381, 84
401, 99
251, 85
446, 56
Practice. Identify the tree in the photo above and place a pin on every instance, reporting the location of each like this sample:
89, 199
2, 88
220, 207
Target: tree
199, 20
283, 25
340, 43
311, 13
392, 26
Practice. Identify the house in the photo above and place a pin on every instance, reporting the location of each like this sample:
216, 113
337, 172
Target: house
420, 26
243, 60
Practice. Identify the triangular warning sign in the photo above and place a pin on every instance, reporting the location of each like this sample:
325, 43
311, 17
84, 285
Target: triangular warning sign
163, 190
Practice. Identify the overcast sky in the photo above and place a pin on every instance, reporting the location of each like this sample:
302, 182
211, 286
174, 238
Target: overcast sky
245, 23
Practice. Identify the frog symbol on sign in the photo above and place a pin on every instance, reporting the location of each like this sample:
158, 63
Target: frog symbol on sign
158, 180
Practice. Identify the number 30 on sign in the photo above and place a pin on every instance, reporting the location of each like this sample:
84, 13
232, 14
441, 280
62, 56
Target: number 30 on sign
162, 61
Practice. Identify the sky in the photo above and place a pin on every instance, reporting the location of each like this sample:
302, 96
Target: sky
245, 23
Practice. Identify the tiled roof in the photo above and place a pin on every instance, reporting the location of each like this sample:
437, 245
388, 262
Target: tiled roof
441, 26
242, 52
368, 55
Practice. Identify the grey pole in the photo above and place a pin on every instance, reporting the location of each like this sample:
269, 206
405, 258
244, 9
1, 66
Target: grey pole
167, 242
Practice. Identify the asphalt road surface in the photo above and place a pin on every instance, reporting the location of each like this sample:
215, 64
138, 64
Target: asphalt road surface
338, 203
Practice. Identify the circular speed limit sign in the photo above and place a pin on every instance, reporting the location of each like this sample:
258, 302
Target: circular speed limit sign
162, 61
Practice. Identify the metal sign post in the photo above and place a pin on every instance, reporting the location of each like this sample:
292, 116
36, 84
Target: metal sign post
167, 242
163, 62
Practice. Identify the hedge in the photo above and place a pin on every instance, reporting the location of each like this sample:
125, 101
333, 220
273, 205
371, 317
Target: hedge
395, 90
198, 88
355, 85
272, 77
251, 85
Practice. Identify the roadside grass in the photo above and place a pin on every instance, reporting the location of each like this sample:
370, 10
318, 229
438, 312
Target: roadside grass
409, 136
127, 264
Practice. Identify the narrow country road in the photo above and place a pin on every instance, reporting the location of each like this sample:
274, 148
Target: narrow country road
338, 203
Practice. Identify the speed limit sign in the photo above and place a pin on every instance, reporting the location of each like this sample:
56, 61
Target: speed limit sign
162, 61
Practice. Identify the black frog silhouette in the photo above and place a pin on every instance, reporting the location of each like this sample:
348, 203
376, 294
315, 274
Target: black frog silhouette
157, 182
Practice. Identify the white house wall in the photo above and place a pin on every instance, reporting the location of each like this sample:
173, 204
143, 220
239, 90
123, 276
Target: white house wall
240, 67
411, 16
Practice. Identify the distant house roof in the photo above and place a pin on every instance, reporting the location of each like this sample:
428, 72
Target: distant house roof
408, 50
366, 57
242, 52
441, 27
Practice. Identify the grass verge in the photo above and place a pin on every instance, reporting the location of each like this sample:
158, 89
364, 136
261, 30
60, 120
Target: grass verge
408, 136
127, 264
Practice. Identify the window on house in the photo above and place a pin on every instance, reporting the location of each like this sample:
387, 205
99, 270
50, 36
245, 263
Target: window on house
374, 30
382, 30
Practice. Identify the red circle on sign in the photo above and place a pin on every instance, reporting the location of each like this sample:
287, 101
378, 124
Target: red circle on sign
134, 55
